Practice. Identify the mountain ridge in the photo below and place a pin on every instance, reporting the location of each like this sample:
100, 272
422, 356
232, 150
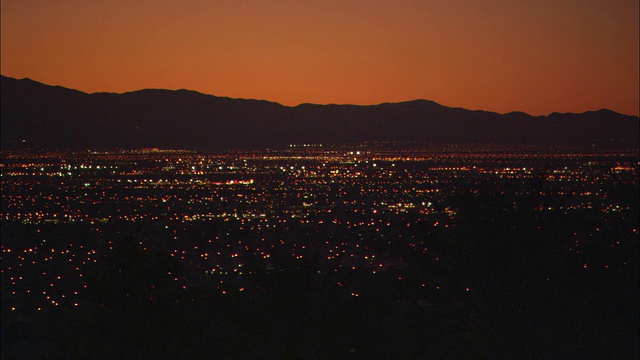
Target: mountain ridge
41, 116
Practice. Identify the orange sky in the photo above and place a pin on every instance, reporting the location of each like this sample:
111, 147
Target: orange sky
536, 56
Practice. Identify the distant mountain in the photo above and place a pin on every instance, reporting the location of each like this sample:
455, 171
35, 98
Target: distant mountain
39, 116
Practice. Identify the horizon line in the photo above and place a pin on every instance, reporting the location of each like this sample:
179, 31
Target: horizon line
319, 104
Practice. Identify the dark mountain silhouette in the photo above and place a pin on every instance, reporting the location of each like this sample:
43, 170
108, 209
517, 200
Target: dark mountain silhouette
39, 116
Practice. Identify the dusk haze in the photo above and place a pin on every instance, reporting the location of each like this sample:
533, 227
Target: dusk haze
497, 55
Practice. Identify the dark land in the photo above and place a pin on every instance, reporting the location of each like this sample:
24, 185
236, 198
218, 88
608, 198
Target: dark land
376, 250
406, 230
37, 116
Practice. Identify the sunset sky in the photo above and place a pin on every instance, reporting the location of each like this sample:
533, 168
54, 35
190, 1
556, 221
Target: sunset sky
536, 56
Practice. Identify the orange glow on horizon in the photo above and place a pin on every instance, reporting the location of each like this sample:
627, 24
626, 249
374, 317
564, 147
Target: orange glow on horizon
498, 55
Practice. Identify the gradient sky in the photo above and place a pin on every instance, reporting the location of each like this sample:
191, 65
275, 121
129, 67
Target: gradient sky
536, 56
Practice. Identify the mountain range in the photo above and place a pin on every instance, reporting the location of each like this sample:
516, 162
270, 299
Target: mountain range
39, 116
